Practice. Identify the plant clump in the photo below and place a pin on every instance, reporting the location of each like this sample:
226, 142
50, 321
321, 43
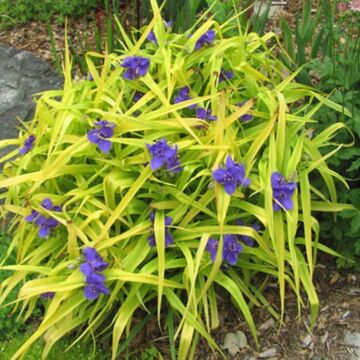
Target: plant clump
175, 178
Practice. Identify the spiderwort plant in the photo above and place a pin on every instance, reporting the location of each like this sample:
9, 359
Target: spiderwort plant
108, 198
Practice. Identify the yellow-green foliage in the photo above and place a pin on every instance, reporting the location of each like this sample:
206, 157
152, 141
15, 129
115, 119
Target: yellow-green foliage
107, 198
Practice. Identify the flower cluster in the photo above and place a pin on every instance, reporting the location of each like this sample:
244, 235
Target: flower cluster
231, 249
28, 145
136, 66
92, 268
100, 136
162, 154
168, 237
45, 225
206, 38
282, 192
232, 176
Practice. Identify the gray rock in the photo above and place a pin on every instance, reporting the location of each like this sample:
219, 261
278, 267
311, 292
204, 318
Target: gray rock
21, 76
353, 339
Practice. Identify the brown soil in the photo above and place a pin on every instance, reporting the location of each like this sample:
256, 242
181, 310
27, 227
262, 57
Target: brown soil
339, 295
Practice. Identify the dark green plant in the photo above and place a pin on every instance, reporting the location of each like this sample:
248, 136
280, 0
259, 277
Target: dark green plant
15, 12
327, 44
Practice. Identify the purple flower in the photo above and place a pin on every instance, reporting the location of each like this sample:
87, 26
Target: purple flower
204, 114
34, 214
247, 240
91, 268
282, 192
94, 262
163, 154
245, 117
169, 240
48, 205
207, 38
151, 37
92, 290
183, 95
100, 136
136, 66
28, 145
231, 249
47, 295
225, 75
138, 95
45, 225
232, 176
212, 247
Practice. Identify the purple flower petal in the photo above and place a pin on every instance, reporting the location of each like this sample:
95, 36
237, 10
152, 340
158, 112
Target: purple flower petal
151, 37
129, 74
230, 187
104, 145
168, 220
34, 214
169, 240
152, 242
47, 204
91, 254
95, 277
43, 231
156, 163
57, 208
246, 117
91, 292
93, 135
212, 247
219, 175
86, 269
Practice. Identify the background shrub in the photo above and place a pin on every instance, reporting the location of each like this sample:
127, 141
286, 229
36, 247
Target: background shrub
22, 11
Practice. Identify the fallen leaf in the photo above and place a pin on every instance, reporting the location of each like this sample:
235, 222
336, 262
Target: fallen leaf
233, 342
267, 324
268, 353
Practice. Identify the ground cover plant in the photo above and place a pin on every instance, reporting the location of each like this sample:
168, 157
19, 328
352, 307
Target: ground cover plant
180, 166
